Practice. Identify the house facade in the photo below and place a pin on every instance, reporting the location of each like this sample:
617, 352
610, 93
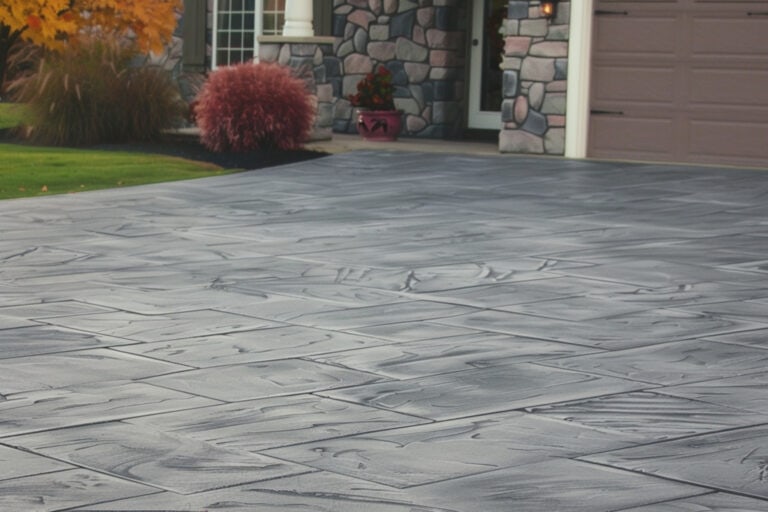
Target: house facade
667, 80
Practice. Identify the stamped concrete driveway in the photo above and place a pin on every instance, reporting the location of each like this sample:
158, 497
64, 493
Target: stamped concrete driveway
390, 332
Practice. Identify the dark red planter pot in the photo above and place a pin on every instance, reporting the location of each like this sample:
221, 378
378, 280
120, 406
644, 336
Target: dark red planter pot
379, 125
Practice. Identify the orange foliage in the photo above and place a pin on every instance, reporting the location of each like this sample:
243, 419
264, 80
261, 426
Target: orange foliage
54, 23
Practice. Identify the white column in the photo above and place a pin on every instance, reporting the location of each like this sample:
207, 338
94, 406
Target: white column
298, 18
579, 64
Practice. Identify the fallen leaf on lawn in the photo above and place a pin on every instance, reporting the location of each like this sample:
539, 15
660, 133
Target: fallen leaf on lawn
22, 189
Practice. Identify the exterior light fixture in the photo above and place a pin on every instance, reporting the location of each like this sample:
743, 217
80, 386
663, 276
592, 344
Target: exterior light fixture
548, 8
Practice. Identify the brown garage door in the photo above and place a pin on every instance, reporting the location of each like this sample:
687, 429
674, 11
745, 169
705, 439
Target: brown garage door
680, 80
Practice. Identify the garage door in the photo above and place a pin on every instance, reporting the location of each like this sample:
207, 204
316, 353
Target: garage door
680, 80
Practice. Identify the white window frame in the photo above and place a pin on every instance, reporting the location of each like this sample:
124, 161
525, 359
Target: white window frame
276, 13
258, 20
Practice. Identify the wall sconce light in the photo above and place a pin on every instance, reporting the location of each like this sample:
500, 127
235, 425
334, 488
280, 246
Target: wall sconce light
548, 8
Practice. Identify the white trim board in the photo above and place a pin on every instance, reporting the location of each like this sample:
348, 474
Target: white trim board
579, 69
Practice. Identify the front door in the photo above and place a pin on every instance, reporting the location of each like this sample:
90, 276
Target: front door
485, 57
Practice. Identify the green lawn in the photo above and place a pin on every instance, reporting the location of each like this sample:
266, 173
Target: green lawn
27, 171
11, 115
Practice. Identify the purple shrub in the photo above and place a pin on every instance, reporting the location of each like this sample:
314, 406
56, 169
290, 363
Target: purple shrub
247, 107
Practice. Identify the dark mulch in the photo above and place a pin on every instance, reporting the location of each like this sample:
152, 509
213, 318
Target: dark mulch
192, 149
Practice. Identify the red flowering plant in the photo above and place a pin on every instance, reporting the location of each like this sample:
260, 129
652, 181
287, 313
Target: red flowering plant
375, 91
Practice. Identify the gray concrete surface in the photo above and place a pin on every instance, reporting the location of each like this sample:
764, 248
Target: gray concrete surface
383, 331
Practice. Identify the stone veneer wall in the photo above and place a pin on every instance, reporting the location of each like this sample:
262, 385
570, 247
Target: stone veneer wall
308, 57
535, 80
422, 42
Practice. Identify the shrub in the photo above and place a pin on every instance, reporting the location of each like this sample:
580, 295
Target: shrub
375, 91
153, 103
254, 106
90, 94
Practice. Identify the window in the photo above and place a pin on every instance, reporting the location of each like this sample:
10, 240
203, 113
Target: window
274, 17
238, 23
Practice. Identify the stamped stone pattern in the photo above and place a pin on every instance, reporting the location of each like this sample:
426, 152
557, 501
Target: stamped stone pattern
535, 79
143, 455
451, 449
717, 502
739, 465
65, 489
653, 416
390, 331
16, 464
422, 43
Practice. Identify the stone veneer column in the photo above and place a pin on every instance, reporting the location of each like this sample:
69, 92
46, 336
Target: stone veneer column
312, 58
535, 80
422, 42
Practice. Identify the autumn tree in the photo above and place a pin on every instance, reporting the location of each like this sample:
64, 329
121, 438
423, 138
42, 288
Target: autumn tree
52, 24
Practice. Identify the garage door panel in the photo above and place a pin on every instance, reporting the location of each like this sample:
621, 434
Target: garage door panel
648, 4
636, 85
638, 34
730, 4
690, 78
723, 87
728, 138
736, 37
649, 138
602, 3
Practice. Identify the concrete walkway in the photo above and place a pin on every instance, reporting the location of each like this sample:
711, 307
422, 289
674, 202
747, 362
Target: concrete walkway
344, 142
383, 331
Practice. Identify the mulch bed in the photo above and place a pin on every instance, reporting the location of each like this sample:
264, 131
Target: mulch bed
191, 149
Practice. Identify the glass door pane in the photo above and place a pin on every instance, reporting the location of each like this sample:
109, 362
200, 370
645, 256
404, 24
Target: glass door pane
485, 87
493, 46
